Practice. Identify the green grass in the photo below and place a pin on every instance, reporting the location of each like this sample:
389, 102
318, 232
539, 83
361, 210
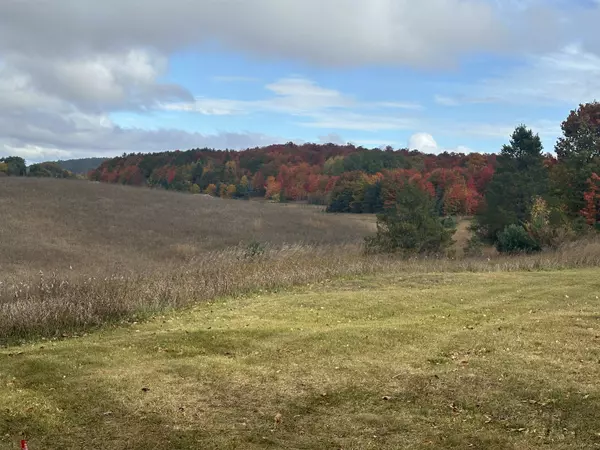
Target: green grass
488, 360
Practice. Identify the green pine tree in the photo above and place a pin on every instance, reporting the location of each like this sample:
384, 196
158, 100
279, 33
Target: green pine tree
520, 177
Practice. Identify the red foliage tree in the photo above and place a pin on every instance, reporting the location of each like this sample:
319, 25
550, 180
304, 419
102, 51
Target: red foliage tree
591, 212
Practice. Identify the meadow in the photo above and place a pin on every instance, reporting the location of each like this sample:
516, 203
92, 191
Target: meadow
59, 225
137, 318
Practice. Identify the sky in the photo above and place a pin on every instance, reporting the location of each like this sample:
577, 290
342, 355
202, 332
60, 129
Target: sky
100, 78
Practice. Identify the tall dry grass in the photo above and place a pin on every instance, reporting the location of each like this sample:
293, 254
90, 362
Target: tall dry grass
54, 304
49, 224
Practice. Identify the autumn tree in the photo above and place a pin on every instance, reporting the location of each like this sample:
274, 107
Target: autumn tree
230, 191
258, 183
273, 189
243, 187
591, 210
211, 189
578, 154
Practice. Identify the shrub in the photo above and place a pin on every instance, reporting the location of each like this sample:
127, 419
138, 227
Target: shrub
254, 249
548, 227
49, 170
474, 246
515, 239
410, 226
449, 222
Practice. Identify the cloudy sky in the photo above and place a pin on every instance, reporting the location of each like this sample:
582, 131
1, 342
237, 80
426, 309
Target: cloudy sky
92, 78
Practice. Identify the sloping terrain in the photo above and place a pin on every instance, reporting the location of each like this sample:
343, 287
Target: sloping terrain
49, 224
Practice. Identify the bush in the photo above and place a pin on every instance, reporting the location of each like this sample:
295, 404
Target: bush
49, 170
449, 222
515, 239
410, 226
548, 227
474, 246
254, 249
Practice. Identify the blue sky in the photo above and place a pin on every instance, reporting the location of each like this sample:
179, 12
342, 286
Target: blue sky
456, 75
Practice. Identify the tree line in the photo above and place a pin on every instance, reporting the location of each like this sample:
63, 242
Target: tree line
345, 178
17, 167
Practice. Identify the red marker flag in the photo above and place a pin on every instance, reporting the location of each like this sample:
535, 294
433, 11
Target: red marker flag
23, 445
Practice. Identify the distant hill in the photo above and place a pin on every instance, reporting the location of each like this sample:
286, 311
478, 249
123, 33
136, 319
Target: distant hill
343, 177
81, 166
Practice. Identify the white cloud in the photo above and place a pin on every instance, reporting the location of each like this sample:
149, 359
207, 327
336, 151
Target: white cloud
356, 121
546, 129
320, 107
300, 95
293, 95
396, 105
568, 76
34, 153
39, 126
328, 32
332, 138
100, 82
446, 101
114, 140
234, 79
424, 142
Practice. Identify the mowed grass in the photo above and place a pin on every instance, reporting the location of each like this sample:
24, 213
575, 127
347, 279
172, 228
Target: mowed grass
464, 360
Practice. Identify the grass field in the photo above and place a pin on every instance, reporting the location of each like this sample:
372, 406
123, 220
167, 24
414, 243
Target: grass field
55, 225
487, 361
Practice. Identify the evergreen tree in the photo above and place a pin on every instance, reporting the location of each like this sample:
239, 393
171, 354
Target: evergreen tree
410, 226
520, 177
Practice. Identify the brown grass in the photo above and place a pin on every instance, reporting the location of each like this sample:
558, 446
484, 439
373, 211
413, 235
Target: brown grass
51, 224
54, 304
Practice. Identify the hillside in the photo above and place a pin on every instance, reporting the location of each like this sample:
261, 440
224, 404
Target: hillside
50, 224
346, 178
421, 361
81, 166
